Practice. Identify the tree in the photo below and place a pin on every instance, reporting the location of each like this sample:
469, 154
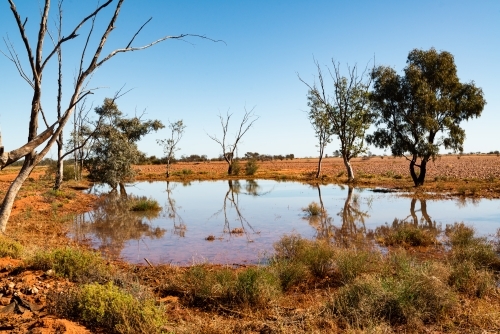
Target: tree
414, 108
87, 64
227, 148
114, 149
170, 145
348, 109
320, 121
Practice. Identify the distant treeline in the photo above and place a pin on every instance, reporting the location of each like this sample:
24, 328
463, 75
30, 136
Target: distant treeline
154, 160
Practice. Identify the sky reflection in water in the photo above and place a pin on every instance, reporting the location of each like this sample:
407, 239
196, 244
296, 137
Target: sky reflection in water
265, 210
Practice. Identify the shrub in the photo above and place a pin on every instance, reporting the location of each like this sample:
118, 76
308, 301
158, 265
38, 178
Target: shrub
251, 167
110, 308
235, 167
75, 264
289, 272
351, 263
405, 234
256, 287
467, 279
144, 204
10, 248
313, 209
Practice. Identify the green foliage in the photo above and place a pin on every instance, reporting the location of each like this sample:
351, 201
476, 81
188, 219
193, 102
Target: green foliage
75, 264
109, 308
10, 248
405, 234
115, 149
351, 263
414, 108
251, 167
466, 278
289, 272
144, 204
235, 167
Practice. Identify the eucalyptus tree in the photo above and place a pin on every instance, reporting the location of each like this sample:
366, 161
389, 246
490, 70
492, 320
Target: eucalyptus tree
114, 149
86, 64
414, 108
170, 144
228, 146
348, 109
320, 121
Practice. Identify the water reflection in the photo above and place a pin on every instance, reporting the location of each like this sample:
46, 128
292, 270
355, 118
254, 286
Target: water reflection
252, 215
113, 224
171, 211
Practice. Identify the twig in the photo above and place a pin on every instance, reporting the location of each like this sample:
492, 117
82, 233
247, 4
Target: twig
149, 263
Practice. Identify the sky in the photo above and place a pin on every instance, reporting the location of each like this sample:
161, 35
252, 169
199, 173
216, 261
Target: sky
266, 46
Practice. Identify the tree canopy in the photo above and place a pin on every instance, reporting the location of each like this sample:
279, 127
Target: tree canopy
114, 149
414, 108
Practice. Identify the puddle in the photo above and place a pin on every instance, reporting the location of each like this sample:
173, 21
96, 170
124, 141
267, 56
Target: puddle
260, 211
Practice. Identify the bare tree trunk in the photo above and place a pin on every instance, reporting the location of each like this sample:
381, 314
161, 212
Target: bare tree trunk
60, 163
350, 172
319, 164
427, 218
11, 194
412, 211
423, 171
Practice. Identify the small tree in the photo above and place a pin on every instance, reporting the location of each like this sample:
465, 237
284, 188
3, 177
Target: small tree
412, 109
228, 149
115, 149
320, 121
170, 145
348, 110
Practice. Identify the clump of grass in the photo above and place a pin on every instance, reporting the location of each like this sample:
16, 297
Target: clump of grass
410, 293
256, 287
183, 172
405, 234
467, 247
313, 209
235, 167
466, 278
144, 204
59, 194
251, 167
75, 264
289, 272
351, 263
110, 308
10, 248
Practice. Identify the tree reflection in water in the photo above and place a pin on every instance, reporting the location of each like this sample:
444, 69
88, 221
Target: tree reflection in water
179, 225
113, 224
322, 222
424, 222
231, 201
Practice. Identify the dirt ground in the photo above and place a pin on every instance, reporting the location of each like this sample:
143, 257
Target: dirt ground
40, 218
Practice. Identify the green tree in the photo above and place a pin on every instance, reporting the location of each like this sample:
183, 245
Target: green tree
114, 149
320, 121
170, 145
414, 108
348, 109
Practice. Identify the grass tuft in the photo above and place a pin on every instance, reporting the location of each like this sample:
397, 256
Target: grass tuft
144, 204
402, 233
75, 264
10, 248
313, 209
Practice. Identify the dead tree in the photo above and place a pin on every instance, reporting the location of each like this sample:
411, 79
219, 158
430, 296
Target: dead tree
34, 77
228, 149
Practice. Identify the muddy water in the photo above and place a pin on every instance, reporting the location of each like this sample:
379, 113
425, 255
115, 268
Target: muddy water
245, 218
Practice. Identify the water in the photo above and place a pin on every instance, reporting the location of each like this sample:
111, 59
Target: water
261, 211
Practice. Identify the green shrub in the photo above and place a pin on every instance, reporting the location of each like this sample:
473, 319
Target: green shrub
351, 263
289, 272
467, 279
405, 234
235, 167
256, 287
75, 264
144, 204
289, 246
109, 308
251, 167
10, 248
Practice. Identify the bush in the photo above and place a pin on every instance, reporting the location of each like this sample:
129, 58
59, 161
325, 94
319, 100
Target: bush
10, 248
144, 204
351, 263
405, 234
110, 308
289, 272
313, 209
251, 167
75, 264
235, 167
256, 287
467, 279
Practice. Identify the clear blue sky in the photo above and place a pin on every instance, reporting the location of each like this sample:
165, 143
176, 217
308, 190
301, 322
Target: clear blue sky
267, 44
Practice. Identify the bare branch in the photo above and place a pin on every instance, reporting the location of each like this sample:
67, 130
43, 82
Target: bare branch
137, 33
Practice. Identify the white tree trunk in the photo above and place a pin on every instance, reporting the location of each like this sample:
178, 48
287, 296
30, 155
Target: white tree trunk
350, 172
